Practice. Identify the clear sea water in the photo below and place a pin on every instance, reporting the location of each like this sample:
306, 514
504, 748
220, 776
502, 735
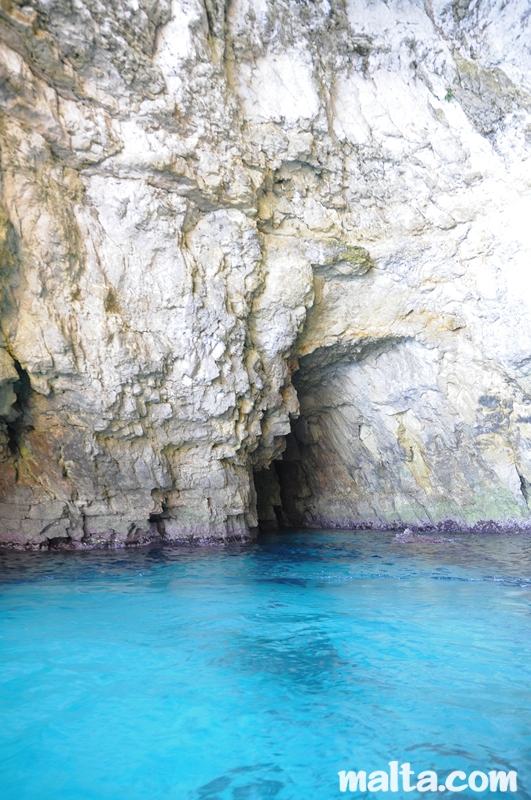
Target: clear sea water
260, 671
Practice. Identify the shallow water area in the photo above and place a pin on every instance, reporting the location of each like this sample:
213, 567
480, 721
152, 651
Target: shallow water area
259, 671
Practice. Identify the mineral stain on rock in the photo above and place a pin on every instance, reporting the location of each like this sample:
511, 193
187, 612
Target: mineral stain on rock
257, 267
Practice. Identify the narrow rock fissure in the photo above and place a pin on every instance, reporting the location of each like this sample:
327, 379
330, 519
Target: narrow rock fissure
18, 425
282, 489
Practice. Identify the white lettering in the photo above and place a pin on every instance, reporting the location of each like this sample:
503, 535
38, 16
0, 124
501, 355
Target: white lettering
407, 772
393, 776
379, 781
504, 779
427, 781
352, 780
450, 781
472, 781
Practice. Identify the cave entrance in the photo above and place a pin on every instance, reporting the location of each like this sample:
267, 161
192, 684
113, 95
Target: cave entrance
282, 489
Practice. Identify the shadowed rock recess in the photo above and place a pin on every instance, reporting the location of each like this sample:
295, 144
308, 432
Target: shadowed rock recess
263, 260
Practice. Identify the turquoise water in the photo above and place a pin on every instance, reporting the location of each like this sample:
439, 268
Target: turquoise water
260, 671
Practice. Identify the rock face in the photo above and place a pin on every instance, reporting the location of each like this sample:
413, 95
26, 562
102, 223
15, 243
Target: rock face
271, 243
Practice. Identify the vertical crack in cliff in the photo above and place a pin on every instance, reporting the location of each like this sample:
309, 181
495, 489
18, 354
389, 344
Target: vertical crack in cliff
282, 489
19, 424
279, 486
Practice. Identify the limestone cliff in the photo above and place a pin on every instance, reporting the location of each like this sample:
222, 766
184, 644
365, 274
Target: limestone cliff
228, 225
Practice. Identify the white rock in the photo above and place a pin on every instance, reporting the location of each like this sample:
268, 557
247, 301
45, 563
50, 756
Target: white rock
219, 227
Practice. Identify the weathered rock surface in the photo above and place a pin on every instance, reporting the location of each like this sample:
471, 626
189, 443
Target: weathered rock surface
224, 221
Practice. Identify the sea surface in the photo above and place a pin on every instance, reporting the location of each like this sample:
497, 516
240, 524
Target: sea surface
260, 671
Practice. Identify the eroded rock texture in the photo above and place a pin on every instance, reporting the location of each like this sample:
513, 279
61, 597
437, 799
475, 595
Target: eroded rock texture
222, 221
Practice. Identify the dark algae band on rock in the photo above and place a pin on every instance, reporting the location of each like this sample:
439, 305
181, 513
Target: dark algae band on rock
263, 264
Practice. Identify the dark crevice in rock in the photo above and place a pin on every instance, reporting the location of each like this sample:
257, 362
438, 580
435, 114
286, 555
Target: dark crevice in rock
268, 501
282, 489
19, 425
525, 488
58, 543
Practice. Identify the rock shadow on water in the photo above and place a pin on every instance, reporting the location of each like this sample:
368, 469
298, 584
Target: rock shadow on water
308, 661
242, 784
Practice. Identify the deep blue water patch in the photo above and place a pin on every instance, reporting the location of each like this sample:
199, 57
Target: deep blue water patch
259, 671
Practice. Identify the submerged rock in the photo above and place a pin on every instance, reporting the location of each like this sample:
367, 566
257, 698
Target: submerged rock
408, 537
263, 238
